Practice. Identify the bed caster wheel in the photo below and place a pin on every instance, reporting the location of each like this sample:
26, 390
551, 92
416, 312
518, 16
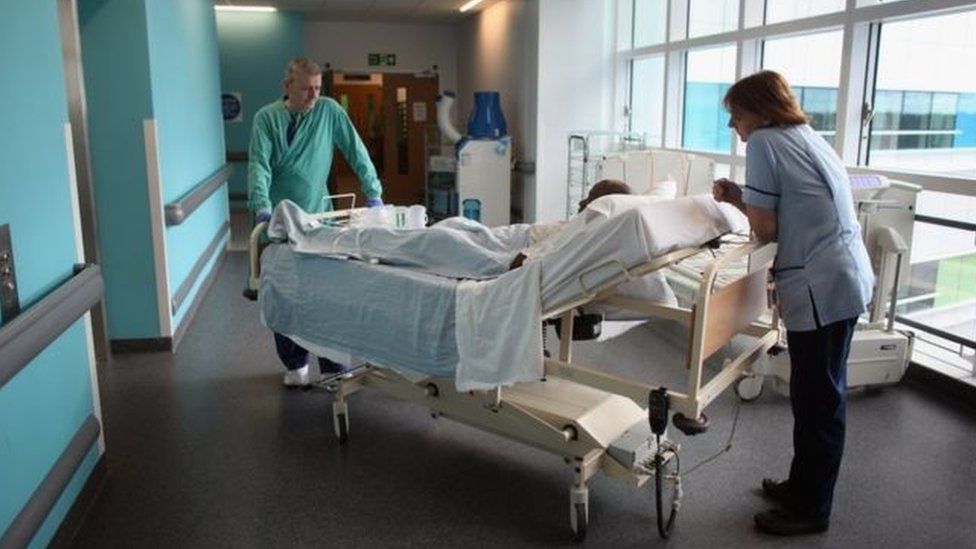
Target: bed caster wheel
579, 512
749, 388
691, 426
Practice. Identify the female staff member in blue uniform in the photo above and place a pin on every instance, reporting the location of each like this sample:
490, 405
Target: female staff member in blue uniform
290, 156
797, 193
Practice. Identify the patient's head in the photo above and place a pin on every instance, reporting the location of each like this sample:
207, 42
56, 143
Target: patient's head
603, 188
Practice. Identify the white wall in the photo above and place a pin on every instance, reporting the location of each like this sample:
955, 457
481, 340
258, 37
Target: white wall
345, 45
497, 51
575, 89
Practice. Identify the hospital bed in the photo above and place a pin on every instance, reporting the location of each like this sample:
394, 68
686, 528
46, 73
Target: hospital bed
880, 353
596, 420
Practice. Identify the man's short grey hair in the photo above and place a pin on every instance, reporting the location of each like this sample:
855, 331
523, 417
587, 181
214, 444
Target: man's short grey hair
303, 65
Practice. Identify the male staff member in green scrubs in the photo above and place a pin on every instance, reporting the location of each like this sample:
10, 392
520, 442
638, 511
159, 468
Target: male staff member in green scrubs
289, 158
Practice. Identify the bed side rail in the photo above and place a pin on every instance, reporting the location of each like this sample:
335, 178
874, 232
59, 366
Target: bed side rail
589, 294
720, 314
716, 317
256, 244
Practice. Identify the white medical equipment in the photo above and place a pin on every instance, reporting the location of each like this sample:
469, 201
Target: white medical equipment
595, 420
476, 181
879, 353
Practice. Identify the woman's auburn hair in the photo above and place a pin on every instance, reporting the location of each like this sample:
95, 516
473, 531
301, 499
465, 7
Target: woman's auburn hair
767, 94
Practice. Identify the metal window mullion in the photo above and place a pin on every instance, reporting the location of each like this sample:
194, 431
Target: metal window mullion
851, 86
674, 85
677, 30
870, 86
628, 101
748, 50
752, 13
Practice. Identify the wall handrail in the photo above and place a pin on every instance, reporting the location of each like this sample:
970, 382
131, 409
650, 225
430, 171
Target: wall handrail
181, 208
33, 514
30, 332
183, 291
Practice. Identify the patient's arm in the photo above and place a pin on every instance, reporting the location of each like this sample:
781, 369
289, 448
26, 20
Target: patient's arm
518, 261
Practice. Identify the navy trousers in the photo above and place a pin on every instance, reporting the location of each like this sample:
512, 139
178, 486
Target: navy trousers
818, 383
294, 356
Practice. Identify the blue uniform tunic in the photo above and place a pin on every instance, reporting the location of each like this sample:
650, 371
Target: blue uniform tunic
822, 270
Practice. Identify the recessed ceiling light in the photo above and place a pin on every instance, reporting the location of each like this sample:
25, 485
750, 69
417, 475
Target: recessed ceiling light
225, 7
469, 5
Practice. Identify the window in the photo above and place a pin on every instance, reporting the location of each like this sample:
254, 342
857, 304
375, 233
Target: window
786, 10
924, 100
709, 74
941, 292
712, 17
647, 98
913, 58
811, 64
650, 22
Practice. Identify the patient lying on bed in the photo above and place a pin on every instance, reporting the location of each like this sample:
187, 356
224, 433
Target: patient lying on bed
453, 281
541, 234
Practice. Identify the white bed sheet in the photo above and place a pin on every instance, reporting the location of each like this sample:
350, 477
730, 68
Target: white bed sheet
294, 303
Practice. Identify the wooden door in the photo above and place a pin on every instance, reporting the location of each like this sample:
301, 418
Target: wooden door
361, 95
408, 107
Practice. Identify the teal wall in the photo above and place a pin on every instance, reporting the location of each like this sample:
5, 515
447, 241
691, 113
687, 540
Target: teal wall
119, 96
185, 75
151, 59
43, 406
254, 48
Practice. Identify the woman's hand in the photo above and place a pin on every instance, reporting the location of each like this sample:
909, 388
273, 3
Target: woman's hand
724, 190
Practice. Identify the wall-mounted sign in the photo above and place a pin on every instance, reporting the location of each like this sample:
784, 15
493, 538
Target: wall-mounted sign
381, 59
233, 106
419, 111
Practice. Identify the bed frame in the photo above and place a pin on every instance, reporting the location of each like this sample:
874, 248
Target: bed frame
587, 416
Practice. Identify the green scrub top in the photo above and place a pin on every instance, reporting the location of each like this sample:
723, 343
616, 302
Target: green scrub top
298, 171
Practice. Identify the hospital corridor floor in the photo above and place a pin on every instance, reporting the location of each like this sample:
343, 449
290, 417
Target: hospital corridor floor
205, 448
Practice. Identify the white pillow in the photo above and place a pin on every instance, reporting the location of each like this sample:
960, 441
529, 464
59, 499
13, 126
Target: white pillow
615, 204
663, 190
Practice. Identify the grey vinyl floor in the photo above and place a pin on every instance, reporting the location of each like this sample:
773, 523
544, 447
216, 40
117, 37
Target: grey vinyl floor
206, 449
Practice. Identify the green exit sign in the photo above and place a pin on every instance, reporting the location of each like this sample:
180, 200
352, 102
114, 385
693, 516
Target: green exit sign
381, 59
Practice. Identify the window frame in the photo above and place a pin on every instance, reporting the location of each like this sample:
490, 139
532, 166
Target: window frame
860, 23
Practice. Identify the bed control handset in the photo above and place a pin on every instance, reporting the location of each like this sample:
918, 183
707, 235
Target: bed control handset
657, 410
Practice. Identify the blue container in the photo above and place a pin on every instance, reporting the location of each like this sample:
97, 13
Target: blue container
471, 208
486, 120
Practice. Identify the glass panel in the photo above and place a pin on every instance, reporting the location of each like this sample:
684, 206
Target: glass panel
786, 10
712, 17
811, 64
941, 292
887, 118
709, 74
650, 22
647, 99
925, 102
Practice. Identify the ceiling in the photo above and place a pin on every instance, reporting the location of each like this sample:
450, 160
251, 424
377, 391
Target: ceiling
413, 11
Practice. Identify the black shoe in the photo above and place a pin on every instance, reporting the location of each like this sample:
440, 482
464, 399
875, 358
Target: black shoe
777, 491
782, 522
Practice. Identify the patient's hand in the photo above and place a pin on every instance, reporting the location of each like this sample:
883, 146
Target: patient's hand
517, 262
